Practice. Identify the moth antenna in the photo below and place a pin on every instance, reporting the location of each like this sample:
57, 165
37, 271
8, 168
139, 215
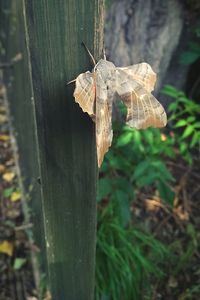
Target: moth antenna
71, 81
104, 54
104, 51
90, 54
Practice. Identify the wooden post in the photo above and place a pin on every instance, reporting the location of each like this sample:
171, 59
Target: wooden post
19, 94
66, 138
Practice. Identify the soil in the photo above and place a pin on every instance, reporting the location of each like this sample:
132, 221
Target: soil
16, 275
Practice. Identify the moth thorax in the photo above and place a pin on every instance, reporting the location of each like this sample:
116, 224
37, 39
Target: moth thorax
105, 68
104, 65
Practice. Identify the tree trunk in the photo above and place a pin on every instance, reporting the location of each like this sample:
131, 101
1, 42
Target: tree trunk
152, 31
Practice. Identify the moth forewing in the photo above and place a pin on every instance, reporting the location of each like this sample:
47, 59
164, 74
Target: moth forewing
84, 92
104, 133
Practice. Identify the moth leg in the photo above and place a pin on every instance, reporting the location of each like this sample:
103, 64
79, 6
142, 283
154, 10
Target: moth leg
71, 81
90, 54
104, 53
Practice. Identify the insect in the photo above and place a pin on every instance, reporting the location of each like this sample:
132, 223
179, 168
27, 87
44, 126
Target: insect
95, 92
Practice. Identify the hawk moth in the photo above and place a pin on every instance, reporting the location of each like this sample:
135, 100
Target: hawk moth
95, 92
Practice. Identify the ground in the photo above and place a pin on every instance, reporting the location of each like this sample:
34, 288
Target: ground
16, 276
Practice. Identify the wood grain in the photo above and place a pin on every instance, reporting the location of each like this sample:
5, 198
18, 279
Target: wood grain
66, 136
22, 121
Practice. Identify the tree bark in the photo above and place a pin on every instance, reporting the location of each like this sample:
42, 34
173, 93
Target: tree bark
144, 30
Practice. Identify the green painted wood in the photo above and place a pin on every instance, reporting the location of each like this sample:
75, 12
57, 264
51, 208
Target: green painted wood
66, 136
19, 94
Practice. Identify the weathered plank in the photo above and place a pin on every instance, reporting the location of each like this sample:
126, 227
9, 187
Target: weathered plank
19, 91
66, 136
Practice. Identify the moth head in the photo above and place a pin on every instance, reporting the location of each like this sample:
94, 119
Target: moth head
104, 65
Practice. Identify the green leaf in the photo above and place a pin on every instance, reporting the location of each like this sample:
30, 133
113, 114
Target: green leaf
191, 231
188, 157
19, 263
189, 57
165, 192
148, 136
123, 206
125, 139
119, 162
191, 119
8, 192
195, 139
104, 188
170, 91
147, 179
162, 170
183, 147
121, 183
181, 123
141, 169
173, 106
137, 137
196, 125
188, 131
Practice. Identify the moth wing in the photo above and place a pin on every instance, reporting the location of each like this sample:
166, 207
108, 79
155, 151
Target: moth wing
143, 74
84, 92
104, 133
143, 109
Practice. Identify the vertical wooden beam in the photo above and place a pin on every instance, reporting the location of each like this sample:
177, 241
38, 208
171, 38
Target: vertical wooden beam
66, 136
19, 92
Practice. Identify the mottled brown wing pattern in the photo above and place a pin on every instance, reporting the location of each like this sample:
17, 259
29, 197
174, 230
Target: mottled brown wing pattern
95, 91
84, 93
143, 110
104, 133
143, 74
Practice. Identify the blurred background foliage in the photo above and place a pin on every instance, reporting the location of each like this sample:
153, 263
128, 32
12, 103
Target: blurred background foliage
148, 206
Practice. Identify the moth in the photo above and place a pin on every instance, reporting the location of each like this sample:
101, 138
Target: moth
95, 92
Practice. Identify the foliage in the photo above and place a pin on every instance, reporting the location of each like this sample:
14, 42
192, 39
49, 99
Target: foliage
126, 254
193, 53
126, 258
183, 256
135, 160
184, 115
